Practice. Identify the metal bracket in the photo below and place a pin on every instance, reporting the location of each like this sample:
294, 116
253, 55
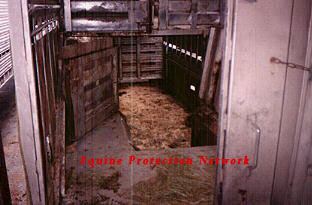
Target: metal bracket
256, 153
254, 165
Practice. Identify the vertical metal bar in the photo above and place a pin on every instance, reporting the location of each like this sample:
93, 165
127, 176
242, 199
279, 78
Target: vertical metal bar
191, 48
138, 55
194, 14
39, 87
197, 48
46, 82
119, 58
180, 45
163, 14
175, 44
67, 15
166, 62
54, 59
52, 65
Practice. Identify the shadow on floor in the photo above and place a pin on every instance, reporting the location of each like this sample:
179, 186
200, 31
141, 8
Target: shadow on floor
13, 157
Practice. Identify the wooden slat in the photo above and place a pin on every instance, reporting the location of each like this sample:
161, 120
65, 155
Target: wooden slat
150, 40
141, 56
207, 64
179, 19
208, 5
203, 19
143, 79
184, 6
72, 51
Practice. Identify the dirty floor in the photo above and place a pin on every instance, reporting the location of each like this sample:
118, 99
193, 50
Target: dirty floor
134, 184
13, 158
155, 119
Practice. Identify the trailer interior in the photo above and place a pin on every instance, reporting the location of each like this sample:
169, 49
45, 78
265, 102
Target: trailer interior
124, 101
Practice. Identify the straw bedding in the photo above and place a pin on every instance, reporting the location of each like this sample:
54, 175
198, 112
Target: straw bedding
156, 121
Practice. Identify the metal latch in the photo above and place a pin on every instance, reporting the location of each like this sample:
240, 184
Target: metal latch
254, 164
290, 65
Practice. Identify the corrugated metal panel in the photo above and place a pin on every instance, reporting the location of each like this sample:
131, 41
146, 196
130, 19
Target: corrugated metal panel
6, 70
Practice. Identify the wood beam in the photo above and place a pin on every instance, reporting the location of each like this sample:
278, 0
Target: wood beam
26, 99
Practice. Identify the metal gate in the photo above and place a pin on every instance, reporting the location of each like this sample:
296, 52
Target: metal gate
34, 34
6, 71
159, 17
106, 16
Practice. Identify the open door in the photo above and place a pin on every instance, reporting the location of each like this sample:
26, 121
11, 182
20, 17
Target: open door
263, 101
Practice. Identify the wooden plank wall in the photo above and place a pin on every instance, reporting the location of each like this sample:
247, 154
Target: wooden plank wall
140, 58
91, 92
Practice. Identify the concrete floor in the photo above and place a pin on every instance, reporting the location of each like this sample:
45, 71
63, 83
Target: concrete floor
13, 158
135, 184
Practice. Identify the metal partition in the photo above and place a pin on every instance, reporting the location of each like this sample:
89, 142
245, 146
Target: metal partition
6, 71
106, 16
160, 17
188, 14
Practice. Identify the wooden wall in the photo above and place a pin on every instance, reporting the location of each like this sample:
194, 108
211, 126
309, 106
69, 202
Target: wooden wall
140, 58
91, 85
